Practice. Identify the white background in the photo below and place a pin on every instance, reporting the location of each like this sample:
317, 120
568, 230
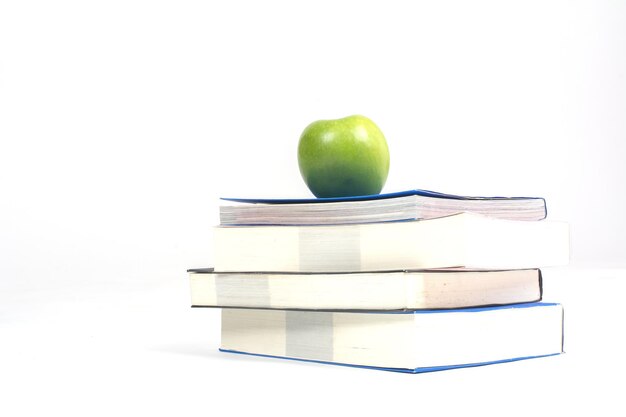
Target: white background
122, 122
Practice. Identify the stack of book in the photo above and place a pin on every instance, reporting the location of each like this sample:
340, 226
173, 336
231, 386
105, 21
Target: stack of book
413, 282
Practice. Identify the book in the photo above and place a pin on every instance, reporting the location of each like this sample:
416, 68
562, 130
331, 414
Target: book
417, 341
392, 290
463, 240
405, 205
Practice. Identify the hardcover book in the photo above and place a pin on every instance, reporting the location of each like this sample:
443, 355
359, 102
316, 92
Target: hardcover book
390, 290
463, 240
406, 205
418, 341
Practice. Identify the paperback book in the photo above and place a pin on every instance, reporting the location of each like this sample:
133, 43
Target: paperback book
389, 290
463, 240
405, 205
417, 341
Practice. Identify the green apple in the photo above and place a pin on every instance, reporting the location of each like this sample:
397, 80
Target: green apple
343, 157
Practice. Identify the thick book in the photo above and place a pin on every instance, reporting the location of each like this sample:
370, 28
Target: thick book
389, 291
413, 342
405, 205
462, 240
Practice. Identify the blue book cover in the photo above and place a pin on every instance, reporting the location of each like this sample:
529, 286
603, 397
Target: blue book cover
418, 192
401, 370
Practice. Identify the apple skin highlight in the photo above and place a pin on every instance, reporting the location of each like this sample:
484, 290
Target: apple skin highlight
343, 157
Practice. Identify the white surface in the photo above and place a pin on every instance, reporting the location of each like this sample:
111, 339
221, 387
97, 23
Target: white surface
121, 122
139, 349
